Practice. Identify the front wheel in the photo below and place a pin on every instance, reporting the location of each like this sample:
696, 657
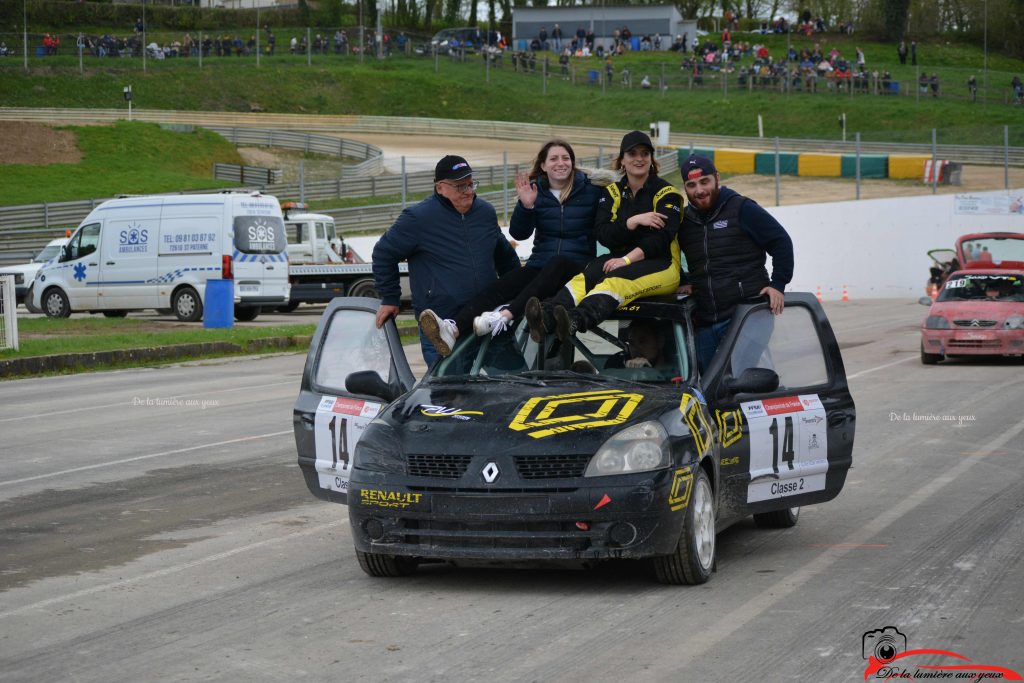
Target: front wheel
187, 305
365, 287
380, 565
55, 303
929, 358
777, 519
694, 558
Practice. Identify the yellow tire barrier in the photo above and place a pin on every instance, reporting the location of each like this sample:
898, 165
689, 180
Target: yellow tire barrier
735, 160
820, 165
907, 166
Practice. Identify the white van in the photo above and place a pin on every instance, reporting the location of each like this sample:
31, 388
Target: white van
159, 251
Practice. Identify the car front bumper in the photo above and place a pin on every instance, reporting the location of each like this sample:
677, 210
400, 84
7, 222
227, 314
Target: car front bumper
589, 520
973, 342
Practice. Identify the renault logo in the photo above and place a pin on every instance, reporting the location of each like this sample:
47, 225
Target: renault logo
490, 473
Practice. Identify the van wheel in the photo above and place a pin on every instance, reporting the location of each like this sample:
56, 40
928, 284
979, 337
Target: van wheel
364, 287
29, 295
694, 558
55, 303
114, 314
777, 519
246, 313
187, 305
380, 565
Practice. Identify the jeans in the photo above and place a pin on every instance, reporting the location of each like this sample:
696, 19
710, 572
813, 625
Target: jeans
430, 354
708, 338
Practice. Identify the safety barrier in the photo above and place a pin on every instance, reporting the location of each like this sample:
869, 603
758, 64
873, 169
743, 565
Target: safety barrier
8, 314
739, 161
243, 174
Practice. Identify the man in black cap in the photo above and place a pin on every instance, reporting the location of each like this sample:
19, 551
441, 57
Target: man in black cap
454, 248
726, 238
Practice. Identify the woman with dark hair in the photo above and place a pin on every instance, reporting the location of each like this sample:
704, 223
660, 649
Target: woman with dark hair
557, 206
637, 220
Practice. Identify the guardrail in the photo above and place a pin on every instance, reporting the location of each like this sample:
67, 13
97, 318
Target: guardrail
242, 174
372, 155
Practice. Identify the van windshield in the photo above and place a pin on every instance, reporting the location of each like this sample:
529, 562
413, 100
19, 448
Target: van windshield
260, 235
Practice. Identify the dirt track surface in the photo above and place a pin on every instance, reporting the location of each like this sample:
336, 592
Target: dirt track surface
36, 144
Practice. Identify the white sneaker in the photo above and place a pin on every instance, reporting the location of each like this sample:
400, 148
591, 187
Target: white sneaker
490, 322
440, 333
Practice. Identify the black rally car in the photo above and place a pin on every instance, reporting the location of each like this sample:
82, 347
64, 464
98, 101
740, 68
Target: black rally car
613, 446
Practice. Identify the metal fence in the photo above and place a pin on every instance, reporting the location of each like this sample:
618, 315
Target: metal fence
8, 314
247, 174
373, 157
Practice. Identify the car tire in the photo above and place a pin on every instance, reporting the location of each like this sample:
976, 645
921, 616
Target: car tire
778, 519
364, 287
381, 566
246, 313
28, 301
929, 358
114, 314
694, 558
187, 306
55, 303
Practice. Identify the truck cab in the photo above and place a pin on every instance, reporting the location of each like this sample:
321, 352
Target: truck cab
313, 238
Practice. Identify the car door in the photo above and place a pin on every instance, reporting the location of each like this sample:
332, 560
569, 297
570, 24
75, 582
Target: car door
82, 258
778, 392
339, 394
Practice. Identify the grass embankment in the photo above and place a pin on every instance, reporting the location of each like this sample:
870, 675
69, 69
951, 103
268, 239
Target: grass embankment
409, 86
48, 336
123, 158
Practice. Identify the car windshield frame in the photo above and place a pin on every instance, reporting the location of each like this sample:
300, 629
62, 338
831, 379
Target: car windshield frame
598, 355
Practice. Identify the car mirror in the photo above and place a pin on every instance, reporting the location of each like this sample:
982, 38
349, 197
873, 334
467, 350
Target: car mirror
64, 253
753, 381
369, 383
925, 301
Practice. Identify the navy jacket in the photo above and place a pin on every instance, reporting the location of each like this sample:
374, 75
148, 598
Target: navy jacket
452, 257
559, 228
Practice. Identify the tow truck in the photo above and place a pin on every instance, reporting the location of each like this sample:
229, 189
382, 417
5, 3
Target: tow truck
322, 265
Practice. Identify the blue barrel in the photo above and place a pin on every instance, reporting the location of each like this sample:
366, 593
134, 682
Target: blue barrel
634, 43
40, 51
219, 307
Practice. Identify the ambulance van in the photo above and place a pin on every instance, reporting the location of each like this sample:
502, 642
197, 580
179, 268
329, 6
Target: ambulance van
158, 252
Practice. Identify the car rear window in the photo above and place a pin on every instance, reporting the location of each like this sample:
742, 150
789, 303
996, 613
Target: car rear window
260, 235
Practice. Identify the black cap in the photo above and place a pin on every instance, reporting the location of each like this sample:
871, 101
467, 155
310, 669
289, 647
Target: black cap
452, 168
635, 139
696, 166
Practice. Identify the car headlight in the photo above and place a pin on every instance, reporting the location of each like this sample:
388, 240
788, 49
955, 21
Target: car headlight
640, 448
379, 449
1014, 322
936, 322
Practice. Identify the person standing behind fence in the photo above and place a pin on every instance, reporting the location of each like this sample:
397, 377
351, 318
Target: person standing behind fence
972, 87
454, 247
901, 52
1018, 89
556, 37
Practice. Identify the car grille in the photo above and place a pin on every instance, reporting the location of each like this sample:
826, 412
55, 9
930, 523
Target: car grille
522, 535
551, 466
973, 344
439, 466
971, 323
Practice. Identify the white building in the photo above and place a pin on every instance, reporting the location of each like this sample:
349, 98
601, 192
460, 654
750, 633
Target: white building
642, 20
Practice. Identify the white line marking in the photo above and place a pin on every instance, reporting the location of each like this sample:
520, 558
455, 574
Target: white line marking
143, 457
128, 402
880, 367
316, 529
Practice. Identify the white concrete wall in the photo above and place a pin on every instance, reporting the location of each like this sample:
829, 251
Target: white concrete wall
878, 247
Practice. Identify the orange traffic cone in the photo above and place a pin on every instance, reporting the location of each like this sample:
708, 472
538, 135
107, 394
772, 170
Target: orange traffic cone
820, 299
846, 294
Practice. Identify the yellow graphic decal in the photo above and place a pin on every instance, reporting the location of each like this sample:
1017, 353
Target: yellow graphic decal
679, 495
689, 406
730, 426
735, 460
542, 413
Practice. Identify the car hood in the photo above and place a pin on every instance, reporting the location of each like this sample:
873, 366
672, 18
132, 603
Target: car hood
984, 310
521, 419
29, 270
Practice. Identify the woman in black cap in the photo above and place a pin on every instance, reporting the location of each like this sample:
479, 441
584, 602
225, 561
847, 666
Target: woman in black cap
637, 220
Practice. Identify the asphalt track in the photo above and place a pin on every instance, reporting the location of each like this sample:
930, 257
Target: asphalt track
154, 526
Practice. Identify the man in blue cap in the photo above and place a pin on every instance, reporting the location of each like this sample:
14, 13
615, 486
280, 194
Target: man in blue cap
726, 239
455, 250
